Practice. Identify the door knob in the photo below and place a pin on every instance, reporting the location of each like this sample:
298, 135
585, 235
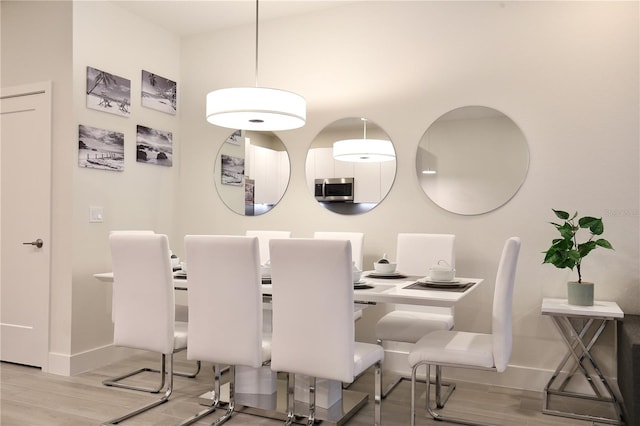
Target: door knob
38, 243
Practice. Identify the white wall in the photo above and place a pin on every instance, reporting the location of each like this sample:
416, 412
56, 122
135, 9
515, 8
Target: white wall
566, 73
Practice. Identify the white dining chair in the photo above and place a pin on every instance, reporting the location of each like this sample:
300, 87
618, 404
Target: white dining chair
181, 315
415, 254
225, 305
144, 299
263, 241
357, 243
313, 327
461, 349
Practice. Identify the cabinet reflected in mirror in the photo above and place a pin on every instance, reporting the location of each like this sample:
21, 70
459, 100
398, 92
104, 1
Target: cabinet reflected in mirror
251, 172
368, 173
472, 160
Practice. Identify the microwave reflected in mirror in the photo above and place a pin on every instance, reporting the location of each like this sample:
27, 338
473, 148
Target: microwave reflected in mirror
357, 177
251, 172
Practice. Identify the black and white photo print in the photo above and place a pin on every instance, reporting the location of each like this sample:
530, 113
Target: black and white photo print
159, 93
154, 146
100, 148
107, 92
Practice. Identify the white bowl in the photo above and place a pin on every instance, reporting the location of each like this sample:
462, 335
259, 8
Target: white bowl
384, 268
442, 273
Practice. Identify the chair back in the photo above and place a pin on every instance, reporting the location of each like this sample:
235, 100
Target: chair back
313, 327
263, 241
225, 300
143, 294
502, 304
357, 243
416, 253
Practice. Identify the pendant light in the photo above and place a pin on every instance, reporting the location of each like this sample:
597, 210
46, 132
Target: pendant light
364, 150
256, 108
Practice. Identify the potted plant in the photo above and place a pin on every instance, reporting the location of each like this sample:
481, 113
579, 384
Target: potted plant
567, 252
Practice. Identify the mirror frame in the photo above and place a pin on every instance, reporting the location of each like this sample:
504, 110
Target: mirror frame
241, 160
321, 164
472, 160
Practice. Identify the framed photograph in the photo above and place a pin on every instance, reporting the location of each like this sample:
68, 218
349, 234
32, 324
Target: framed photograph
100, 148
107, 92
159, 93
232, 170
154, 146
235, 138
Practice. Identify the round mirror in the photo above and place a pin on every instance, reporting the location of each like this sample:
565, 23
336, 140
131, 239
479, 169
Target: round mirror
351, 165
472, 160
251, 172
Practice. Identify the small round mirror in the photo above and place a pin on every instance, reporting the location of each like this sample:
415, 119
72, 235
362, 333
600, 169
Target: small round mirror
472, 160
251, 172
351, 166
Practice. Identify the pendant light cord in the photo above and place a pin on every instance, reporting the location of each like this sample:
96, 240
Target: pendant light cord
365, 128
256, 43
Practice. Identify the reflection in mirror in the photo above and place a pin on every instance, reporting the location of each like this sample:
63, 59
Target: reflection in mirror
472, 160
251, 172
354, 186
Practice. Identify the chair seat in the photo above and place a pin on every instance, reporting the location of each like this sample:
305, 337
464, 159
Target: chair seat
180, 335
454, 347
410, 326
365, 355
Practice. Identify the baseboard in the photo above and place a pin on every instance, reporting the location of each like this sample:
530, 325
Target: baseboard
71, 365
515, 377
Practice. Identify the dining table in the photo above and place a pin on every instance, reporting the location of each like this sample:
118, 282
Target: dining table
339, 404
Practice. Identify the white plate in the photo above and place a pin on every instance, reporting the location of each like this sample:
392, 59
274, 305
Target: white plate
427, 280
374, 274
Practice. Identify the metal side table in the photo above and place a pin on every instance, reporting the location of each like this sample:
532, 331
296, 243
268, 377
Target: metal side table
580, 327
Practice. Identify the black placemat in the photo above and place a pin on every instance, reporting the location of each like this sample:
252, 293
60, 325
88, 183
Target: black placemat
422, 286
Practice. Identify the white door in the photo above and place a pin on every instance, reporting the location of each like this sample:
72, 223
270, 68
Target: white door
25, 219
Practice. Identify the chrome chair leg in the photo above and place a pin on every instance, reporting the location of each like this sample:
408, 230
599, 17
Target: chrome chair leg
215, 398
116, 381
232, 397
290, 399
430, 409
312, 402
377, 397
151, 405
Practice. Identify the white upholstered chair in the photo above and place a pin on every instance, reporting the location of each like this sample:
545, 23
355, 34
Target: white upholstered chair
357, 249
460, 349
181, 315
357, 243
144, 299
263, 241
225, 308
313, 328
415, 254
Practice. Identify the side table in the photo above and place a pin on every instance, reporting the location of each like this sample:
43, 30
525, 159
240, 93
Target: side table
579, 337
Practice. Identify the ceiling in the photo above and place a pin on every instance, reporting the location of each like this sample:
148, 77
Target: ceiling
189, 17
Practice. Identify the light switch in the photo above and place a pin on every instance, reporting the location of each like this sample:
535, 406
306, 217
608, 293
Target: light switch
96, 214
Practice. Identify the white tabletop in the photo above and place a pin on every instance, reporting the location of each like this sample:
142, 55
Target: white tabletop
600, 309
383, 291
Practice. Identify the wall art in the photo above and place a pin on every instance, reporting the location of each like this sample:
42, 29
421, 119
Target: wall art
107, 92
232, 170
100, 148
159, 93
235, 138
154, 146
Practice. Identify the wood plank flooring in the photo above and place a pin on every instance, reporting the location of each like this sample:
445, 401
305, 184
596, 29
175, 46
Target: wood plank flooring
29, 397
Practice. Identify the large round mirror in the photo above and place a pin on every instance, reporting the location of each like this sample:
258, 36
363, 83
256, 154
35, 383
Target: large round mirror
472, 160
351, 165
251, 172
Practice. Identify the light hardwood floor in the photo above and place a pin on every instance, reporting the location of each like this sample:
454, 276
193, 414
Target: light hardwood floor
29, 397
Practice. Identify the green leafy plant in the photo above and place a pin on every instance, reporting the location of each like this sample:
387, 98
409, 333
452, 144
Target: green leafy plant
566, 251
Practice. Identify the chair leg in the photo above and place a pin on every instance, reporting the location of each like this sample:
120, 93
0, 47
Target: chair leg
215, 398
232, 397
153, 404
430, 409
312, 402
377, 395
291, 379
116, 381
